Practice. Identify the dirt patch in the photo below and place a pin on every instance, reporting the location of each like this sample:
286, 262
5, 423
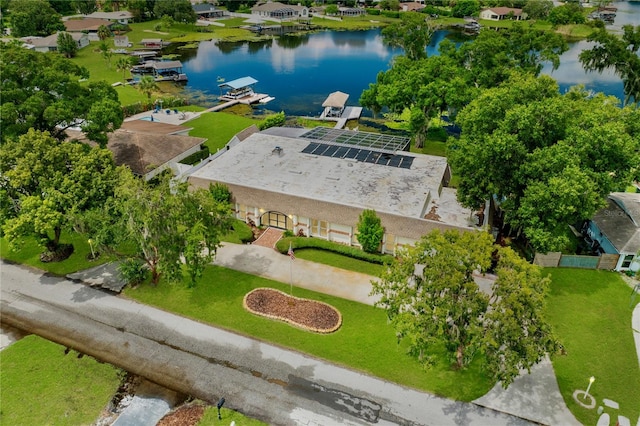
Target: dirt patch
308, 314
62, 252
185, 415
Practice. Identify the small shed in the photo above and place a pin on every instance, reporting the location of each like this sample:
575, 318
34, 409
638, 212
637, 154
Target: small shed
334, 104
238, 88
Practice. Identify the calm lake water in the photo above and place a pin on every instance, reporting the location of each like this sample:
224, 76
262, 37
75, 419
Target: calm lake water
300, 72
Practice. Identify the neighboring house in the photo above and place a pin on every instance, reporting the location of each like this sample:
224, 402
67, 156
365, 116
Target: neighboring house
148, 153
412, 6
615, 229
351, 11
317, 182
122, 17
87, 25
500, 13
50, 43
121, 41
277, 10
207, 11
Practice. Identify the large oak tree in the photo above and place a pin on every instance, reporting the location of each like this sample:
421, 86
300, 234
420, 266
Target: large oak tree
46, 184
433, 301
43, 91
549, 160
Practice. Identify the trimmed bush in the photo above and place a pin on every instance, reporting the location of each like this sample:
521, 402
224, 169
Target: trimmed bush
196, 157
316, 243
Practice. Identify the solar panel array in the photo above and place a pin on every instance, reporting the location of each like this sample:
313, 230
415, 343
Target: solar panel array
359, 154
374, 141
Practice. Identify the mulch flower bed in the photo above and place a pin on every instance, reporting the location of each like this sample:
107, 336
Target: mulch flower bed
185, 415
308, 314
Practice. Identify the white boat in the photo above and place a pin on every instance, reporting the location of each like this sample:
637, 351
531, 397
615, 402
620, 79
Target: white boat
267, 99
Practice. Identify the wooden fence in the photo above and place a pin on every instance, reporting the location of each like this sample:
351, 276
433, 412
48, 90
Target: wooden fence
559, 260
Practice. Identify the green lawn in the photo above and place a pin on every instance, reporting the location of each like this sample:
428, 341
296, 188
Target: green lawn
339, 261
591, 314
29, 254
210, 418
43, 386
364, 342
218, 128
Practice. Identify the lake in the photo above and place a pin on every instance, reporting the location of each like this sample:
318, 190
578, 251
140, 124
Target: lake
300, 72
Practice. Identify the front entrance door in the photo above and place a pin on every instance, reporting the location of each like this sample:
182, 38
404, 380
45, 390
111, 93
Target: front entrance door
277, 220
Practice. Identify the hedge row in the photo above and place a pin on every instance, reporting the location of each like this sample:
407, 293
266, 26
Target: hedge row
305, 242
196, 157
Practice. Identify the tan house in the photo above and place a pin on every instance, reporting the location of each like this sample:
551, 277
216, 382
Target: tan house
501, 13
279, 11
317, 182
89, 26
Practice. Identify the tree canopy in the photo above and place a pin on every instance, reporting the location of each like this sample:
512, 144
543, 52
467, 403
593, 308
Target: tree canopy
34, 18
42, 91
428, 86
433, 301
412, 33
46, 184
549, 160
618, 53
179, 10
370, 231
169, 225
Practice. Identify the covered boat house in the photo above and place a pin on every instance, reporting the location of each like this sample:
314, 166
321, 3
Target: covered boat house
334, 104
237, 89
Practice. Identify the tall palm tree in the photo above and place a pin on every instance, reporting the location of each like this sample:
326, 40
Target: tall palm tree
123, 64
147, 85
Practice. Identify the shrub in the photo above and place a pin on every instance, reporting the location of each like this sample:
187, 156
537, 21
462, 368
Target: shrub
390, 13
316, 243
370, 231
272, 121
196, 157
220, 192
133, 271
373, 11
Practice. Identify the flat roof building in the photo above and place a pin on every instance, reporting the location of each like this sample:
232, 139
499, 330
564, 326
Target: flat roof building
317, 183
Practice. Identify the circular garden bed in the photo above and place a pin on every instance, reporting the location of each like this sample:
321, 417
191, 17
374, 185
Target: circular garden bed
308, 314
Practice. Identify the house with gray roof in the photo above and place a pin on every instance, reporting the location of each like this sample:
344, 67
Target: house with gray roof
279, 11
50, 43
316, 182
615, 229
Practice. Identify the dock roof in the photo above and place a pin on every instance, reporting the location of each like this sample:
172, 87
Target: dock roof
239, 83
336, 100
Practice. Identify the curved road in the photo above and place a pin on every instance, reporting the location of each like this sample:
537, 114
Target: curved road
278, 386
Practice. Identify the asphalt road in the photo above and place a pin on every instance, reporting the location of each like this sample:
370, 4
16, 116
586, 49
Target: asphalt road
280, 387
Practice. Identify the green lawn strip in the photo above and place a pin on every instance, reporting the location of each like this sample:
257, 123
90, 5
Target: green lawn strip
364, 342
218, 128
591, 315
339, 261
43, 386
210, 418
29, 254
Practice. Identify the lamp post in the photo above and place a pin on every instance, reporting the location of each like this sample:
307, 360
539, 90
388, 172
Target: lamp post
93, 255
219, 405
591, 380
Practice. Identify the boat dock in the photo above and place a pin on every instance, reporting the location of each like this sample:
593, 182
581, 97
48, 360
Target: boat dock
247, 100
